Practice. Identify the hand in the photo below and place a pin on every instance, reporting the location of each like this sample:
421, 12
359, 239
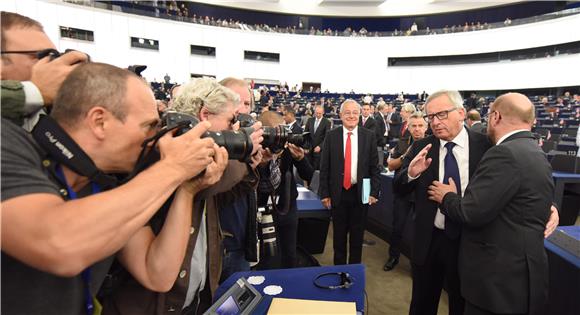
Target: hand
372, 200
212, 174
420, 163
317, 149
256, 159
187, 154
267, 156
48, 75
256, 137
438, 190
296, 152
552, 222
326, 203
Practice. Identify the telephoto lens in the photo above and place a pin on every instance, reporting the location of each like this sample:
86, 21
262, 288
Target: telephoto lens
268, 231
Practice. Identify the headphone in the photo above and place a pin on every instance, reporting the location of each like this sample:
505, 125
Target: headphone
346, 280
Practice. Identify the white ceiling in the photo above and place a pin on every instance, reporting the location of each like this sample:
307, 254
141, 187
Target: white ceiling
359, 7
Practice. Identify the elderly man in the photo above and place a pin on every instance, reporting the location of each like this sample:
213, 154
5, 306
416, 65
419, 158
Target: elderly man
452, 150
503, 265
474, 121
349, 157
59, 231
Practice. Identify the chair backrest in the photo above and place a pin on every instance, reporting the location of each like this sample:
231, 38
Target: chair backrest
548, 145
566, 163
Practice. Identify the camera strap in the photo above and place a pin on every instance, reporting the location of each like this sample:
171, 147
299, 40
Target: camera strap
65, 151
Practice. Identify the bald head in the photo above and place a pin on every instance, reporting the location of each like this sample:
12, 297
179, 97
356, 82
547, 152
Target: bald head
516, 108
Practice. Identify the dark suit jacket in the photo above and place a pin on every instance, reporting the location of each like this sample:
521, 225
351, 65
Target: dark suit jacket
332, 164
395, 126
317, 138
370, 124
502, 262
380, 130
426, 209
296, 129
479, 127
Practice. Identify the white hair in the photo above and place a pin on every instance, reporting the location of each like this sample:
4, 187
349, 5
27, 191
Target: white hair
205, 92
454, 97
349, 100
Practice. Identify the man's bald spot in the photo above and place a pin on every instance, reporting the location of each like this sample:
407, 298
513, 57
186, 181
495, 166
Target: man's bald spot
515, 107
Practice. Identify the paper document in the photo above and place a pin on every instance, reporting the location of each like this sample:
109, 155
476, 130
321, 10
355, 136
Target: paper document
366, 190
281, 306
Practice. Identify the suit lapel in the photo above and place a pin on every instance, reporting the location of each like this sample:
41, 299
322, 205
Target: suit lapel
476, 151
434, 155
360, 145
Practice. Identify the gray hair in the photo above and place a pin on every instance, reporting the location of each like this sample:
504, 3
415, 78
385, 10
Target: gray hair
408, 107
349, 100
453, 96
204, 92
418, 114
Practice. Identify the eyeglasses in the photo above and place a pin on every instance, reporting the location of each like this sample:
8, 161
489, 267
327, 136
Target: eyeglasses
440, 115
39, 54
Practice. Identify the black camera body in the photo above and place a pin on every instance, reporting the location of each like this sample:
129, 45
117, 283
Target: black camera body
237, 143
275, 137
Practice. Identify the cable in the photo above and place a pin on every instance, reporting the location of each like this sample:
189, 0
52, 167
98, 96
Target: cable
366, 308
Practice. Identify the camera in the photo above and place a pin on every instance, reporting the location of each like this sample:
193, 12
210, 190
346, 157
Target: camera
237, 143
275, 137
267, 230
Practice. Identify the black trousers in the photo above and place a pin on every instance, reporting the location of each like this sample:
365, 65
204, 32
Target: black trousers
348, 221
471, 309
401, 209
314, 159
428, 279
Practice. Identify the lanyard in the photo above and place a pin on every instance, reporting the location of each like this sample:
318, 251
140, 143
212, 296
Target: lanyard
86, 274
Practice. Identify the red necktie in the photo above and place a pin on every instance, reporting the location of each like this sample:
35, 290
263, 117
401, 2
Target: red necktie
404, 128
347, 160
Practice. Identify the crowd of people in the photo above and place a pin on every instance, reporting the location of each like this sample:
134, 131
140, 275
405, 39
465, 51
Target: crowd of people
95, 170
181, 11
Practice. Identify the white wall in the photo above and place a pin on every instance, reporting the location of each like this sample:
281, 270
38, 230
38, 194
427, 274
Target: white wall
339, 63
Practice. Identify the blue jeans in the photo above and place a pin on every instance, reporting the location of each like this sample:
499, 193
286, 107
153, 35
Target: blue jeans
234, 261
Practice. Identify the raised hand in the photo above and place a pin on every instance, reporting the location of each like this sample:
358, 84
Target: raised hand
420, 163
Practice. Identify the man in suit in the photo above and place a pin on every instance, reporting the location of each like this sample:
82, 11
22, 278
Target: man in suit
436, 240
349, 155
402, 203
290, 120
318, 126
366, 119
394, 120
381, 130
503, 266
474, 122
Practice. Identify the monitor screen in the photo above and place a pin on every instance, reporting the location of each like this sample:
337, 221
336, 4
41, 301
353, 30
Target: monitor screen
229, 307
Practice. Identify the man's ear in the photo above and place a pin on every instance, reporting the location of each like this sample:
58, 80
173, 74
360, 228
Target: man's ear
203, 114
97, 119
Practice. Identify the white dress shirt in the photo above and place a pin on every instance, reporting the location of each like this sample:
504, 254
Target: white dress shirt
353, 151
461, 153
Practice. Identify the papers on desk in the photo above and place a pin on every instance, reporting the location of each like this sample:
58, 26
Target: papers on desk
281, 306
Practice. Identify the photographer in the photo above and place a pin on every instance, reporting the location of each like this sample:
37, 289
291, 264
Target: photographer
62, 217
192, 291
30, 78
285, 214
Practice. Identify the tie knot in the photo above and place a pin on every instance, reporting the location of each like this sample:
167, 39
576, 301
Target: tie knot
349, 133
449, 146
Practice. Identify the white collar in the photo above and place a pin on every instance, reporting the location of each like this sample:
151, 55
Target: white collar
462, 139
502, 139
346, 131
